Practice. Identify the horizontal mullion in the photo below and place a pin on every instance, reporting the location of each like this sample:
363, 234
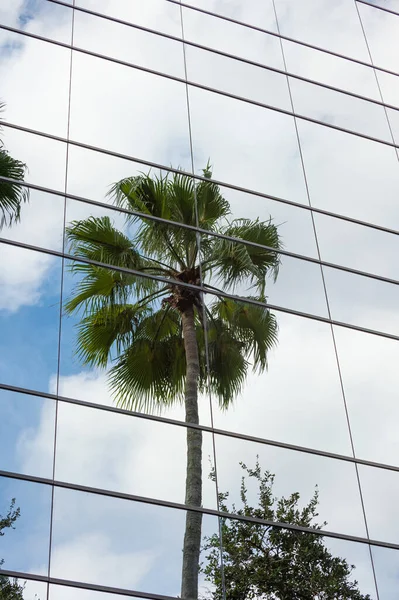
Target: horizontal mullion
225, 54
83, 585
205, 232
188, 507
199, 427
224, 184
201, 86
378, 7
283, 37
206, 289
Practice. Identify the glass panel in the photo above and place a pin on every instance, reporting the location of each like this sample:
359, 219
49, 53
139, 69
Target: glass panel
260, 14
288, 564
231, 38
368, 249
369, 369
330, 70
48, 86
39, 17
340, 33
380, 487
393, 116
390, 89
150, 135
238, 78
27, 434
127, 454
30, 149
29, 315
286, 472
41, 222
362, 301
386, 564
340, 110
350, 175
156, 14
260, 152
299, 399
381, 29
26, 547
128, 44
120, 543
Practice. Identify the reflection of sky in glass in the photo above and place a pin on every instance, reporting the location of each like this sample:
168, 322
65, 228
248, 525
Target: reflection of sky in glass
299, 400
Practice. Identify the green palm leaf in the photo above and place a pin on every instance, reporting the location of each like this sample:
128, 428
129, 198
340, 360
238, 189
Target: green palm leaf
235, 263
12, 195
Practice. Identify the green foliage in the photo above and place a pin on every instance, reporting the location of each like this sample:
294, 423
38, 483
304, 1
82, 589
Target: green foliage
131, 324
12, 195
9, 589
271, 563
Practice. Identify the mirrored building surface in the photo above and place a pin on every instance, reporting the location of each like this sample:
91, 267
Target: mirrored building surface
199, 326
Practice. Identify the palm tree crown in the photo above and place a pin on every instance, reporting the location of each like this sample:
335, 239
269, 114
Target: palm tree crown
136, 320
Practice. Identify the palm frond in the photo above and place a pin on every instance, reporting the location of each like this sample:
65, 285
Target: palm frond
97, 239
108, 327
235, 263
253, 326
227, 363
12, 195
150, 374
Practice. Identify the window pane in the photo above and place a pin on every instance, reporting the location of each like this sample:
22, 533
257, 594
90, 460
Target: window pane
286, 472
350, 175
26, 547
128, 44
369, 369
21, 448
126, 454
307, 22
156, 14
48, 86
260, 152
125, 120
29, 317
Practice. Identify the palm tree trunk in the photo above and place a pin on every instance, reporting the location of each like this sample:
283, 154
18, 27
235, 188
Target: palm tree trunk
192, 535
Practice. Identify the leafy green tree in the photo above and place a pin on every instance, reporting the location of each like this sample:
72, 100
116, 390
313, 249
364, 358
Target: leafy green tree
12, 195
271, 563
152, 331
9, 589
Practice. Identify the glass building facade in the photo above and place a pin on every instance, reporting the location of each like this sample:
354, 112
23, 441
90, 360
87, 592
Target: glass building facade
295, 106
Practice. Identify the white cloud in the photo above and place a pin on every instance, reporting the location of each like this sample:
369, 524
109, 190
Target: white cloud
90, 558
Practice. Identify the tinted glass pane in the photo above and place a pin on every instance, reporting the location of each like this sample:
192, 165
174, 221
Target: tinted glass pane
26, 547
22, 449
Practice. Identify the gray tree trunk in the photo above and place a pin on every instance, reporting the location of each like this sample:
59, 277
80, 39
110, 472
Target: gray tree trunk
192, 536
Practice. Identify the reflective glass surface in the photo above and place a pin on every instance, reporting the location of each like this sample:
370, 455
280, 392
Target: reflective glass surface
27, 433
29, 315
172, 319
26, 548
